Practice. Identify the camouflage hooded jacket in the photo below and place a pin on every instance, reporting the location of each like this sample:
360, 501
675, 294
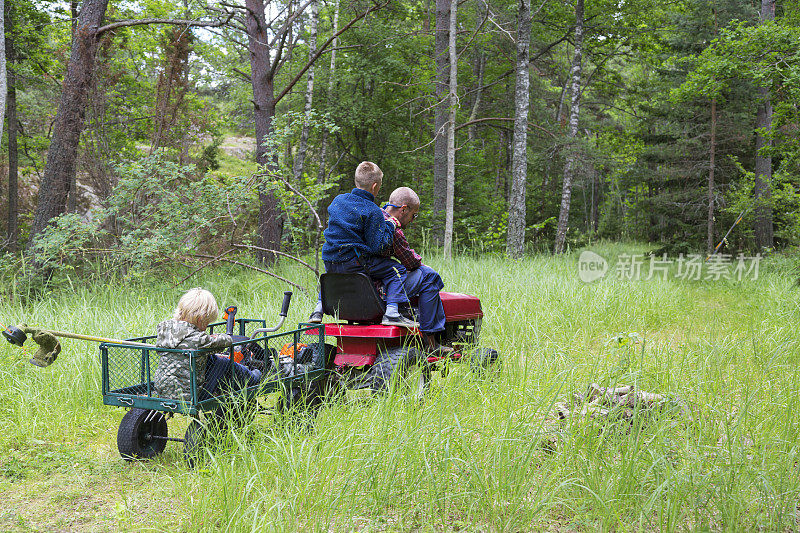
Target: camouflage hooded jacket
173, 375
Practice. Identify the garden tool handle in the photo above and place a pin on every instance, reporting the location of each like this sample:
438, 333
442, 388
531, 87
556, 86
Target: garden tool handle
287, 299
230, 317
68, 335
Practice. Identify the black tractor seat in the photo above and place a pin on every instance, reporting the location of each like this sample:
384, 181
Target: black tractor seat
351, 297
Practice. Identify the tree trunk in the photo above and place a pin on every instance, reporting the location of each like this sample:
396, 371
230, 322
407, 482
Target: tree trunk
11, 120
73, 12
515, 244
499, 180
69, 121
171, 90
595, 212
574, 115
481, 61
711, 167
299, 161
270, 221
440, 119
763, 167
73, 182
451, 135
323, 156
3, 81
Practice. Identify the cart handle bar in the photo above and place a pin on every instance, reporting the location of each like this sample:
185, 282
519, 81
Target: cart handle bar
287, 299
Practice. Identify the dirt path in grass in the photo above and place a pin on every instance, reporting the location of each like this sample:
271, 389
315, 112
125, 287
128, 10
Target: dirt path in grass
86, 486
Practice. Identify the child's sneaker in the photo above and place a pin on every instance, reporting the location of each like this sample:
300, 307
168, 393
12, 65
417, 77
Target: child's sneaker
315, 318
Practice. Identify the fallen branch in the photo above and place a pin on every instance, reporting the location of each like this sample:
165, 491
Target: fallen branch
284, 254
201, 267
267, 272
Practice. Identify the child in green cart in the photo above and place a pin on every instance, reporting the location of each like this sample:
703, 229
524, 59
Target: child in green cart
186, 331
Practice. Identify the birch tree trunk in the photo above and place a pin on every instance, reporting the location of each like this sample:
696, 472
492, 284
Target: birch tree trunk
323, 156
63, 151
515, 242
11, 119
711, 168
451, 136
477, 103
763, 167
299, 161
441, 42
3, 81
574, 115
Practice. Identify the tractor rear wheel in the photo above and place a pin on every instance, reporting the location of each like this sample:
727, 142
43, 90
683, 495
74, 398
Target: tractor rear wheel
415, 378
142, 434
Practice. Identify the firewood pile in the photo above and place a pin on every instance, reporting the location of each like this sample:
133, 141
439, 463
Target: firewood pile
618, 403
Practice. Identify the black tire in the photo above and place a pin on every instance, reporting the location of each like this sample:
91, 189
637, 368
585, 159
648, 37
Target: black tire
194, 442
416, 379
484, 359
137, 436
300, 399
234, 413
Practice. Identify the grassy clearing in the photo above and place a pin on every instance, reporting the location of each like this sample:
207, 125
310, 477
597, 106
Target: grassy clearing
471, 457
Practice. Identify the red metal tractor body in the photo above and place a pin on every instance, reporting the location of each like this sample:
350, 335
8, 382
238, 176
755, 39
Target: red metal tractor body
367, 353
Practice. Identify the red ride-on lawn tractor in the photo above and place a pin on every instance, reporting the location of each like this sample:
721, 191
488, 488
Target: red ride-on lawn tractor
367, 354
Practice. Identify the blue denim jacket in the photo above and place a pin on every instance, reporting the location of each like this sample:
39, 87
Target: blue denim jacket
356, 226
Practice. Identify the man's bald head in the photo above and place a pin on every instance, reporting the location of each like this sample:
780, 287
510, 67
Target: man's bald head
404, 196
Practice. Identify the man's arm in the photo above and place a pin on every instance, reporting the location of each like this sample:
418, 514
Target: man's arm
403, 252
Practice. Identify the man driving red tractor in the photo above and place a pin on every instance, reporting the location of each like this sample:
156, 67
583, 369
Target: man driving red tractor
421, 280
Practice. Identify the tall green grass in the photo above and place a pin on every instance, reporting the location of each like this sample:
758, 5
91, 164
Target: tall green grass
478, 454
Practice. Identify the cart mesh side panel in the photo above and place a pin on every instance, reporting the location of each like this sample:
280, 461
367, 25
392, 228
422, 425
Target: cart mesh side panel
128, 372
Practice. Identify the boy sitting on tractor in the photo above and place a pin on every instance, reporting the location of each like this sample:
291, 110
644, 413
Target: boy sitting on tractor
421, 280
357, 239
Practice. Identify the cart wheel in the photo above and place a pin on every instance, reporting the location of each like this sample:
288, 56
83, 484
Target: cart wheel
239, 411
194, 442
142, 434
332, 387
300, 405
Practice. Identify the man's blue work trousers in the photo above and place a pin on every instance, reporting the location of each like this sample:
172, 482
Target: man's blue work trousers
426, 283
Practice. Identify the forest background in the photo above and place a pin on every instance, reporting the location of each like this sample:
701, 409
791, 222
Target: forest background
145, 133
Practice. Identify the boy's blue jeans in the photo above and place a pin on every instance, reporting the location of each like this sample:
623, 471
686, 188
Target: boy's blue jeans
219, 377
426, 283
389, 271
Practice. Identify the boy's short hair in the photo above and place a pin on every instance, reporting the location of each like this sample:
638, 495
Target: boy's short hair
197, 307
404, 196
367, 174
